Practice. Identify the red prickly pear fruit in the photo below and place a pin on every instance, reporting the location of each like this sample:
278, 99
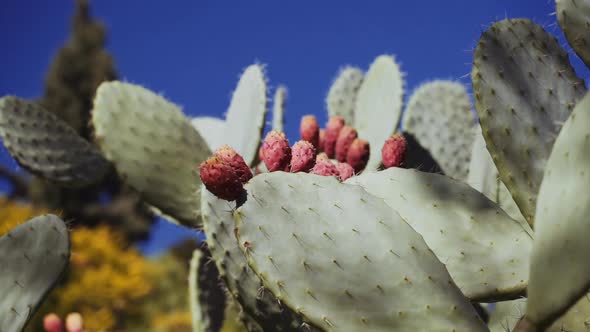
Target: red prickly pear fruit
345, 138
345, 170
302, 156
276, 151
325, 168
358, 154
52, 323
394, 151
231, 157
74, 322
322, 156
221, 179
310, 130
322, 141
333, 128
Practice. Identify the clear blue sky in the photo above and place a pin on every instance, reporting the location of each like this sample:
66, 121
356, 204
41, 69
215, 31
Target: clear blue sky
192, 51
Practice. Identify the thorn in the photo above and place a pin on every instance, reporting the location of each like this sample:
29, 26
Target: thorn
336, 262
308, 292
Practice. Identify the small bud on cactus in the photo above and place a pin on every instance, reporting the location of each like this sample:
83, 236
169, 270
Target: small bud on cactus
394, 151
325, 168
74, 322
276, 151
231, 157
221, 179
309, 130
358, 154
333, 128
322, 140
345, 170
345, 138
322, 156
52, 323
302, 156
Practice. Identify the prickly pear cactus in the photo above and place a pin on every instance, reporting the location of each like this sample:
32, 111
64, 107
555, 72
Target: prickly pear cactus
33, 256
562, 224
211, 129
278, 108
525, 88
207, 297
574, 19
45, 145
486, 252
439, 116
344, 260
379, 105
153, 147
341, 99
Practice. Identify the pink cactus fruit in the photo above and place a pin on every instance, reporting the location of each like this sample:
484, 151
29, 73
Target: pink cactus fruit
325, 168
345, 170
358, 154
345, 138
333, 128
322, 156
231, 157
321, 140
52, 323
74, 322
394, 151
221, 179
276, 151
310, 130
303, 156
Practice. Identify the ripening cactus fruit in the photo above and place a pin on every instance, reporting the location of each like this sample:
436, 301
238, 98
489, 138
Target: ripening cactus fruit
276, 151
394, 151
345, 138
221, 179
303, 156
310, 130
333, 128
325, 168
358, 154
345, 171
235, 161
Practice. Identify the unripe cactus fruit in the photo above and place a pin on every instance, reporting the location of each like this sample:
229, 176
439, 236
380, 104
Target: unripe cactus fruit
345, 138
358, 154
74, 322
325, 168
221, 179
276, 151
235, 161
310, 130
345, 171
322, 140
394, 151
332, 130
52, 323
303, 156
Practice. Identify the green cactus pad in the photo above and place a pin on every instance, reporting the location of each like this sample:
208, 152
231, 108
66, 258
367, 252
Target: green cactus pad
439, 116
483, 176
244, 285
486, 252
379, 105
207, 296
574, 19
524, 90
506, 314
153, 146
245, 116
45, 145
33, 257
344, 259
212, 130
562, 225
341, 99
278, 109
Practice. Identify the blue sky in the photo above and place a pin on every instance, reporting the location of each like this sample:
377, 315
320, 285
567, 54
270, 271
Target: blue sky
193, 51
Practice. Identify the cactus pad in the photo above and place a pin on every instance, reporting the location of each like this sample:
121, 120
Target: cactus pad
439, 116
525, 88
379, 105
341, 99
562, 225
278, 109
47, 146
207, 296
153, 146
344, 259
212, 130
574, 19
33, 257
